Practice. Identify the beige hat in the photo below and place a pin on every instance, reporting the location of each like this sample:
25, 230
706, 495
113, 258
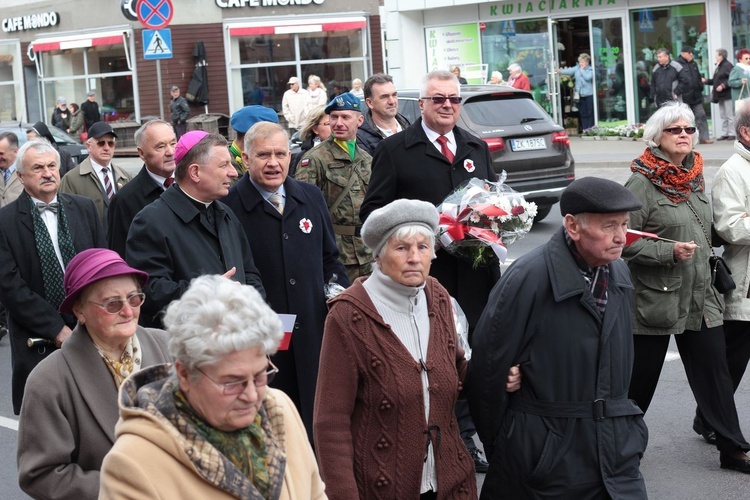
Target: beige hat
293, 80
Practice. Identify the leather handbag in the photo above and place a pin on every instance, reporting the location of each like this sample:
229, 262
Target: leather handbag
721, 275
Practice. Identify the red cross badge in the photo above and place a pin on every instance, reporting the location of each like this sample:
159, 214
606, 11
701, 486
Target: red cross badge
469, 165
305, 225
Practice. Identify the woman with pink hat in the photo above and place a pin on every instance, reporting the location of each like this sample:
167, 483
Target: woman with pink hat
68, 417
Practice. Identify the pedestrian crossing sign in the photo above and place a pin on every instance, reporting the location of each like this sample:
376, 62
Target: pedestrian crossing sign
157, 44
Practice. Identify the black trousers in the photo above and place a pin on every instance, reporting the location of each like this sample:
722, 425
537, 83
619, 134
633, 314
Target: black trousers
737, 338
703, 355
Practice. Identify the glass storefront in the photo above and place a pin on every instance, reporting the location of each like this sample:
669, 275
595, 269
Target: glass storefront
11, 82
103, 67
740, 26
670, 28
261, 63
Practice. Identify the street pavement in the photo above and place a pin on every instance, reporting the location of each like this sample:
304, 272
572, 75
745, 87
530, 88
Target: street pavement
678, 465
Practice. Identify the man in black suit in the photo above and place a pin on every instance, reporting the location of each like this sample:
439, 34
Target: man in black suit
187, 232
39, 233
156, 143
295, 247
427, 161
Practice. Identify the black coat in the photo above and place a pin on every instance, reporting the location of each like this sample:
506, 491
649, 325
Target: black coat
543, 316
664, 81
690, 86
369, 135
721, 77
22, 285
90, 112
125, 205
172, 242
295, 266
407, 165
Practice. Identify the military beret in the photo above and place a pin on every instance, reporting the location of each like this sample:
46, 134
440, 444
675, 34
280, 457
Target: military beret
385, 221
597, 196
344, 102
248, 116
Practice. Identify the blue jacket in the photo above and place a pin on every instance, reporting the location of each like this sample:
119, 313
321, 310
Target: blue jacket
584, 79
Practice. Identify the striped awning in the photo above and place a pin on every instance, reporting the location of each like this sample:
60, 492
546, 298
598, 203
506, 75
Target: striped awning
292, 27
77, 41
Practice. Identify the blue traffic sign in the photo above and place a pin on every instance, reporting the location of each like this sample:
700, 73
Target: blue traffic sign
157, 44
154, 14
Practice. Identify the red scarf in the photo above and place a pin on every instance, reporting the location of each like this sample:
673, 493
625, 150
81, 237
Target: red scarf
676, 182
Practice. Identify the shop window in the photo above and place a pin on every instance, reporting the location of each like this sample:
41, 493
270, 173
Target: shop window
266, 49
331, 44
670, 28
740, 26
11, 78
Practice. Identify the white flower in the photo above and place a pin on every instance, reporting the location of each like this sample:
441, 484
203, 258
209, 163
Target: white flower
475, 217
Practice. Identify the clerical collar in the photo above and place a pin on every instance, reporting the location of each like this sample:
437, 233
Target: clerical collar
201, 205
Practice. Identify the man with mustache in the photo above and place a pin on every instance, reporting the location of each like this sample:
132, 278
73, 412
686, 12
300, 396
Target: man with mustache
39, 233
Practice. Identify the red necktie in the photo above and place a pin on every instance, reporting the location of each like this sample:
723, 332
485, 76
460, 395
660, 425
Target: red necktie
444, 148
168, 182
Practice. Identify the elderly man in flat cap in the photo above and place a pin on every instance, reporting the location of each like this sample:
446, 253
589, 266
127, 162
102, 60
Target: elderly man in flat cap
188, 232
563, 312
341, 169
241, 122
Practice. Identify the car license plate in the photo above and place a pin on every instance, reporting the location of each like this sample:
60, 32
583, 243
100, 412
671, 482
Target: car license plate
528, 144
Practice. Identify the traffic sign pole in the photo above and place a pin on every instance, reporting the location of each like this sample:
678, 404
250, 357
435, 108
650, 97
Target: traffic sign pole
161, 89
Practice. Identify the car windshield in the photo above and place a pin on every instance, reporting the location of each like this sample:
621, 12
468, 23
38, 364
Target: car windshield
509, 110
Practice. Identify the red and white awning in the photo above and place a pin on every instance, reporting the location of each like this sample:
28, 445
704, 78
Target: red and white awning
78, 41
293, 27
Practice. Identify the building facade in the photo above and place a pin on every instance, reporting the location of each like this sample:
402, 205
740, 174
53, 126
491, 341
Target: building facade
621, 36
66, 48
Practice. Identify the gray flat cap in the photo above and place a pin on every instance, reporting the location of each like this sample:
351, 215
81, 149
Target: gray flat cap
385, 221
597, 196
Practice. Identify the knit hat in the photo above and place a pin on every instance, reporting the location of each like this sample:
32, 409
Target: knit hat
89, 266
597, 196
383, 222
187, 142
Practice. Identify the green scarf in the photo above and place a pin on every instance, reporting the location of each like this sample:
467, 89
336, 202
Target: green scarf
245, 448
348, 146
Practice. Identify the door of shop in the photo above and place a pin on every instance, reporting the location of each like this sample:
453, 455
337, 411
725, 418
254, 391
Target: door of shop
604, 39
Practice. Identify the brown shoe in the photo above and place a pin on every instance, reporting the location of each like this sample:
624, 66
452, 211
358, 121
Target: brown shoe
707, 141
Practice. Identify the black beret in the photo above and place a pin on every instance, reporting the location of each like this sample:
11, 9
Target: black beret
597, 196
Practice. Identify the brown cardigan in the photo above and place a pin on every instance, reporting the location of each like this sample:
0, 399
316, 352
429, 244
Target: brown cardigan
370, 431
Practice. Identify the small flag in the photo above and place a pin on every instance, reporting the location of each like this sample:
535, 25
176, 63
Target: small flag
634, 235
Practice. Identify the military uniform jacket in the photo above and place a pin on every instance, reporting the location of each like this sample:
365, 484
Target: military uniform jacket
329, 167
408, 165
171, 240
21, 283
543, 316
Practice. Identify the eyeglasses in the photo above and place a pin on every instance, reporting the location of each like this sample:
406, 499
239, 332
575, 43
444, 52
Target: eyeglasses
240, 386
440, 99
678, 130
114, 306
109, 143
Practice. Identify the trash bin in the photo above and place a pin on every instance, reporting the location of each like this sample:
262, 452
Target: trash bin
213, 123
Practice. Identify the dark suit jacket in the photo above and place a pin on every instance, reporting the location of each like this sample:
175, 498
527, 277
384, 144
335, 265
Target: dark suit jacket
124, 206
68, 418
21, 283
172, 242
295, 266
408, 165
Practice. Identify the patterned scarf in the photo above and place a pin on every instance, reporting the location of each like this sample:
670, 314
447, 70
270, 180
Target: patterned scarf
129, 362
245, 448
52, 273
676, 182
597, 277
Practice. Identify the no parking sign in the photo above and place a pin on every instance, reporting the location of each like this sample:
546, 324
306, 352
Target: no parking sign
154, 14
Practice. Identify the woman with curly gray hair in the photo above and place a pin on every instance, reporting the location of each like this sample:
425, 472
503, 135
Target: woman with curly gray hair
209, 426
674, 292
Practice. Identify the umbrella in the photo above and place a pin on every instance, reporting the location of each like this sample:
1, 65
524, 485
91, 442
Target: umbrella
197, 91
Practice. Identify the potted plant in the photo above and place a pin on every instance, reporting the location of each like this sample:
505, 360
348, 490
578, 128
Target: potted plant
571, 126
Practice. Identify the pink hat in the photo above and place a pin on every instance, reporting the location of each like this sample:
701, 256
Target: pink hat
186, 143
92, 265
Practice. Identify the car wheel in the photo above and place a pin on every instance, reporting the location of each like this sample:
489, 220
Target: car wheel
542, 212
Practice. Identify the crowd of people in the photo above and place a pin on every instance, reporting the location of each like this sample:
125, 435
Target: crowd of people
146, 313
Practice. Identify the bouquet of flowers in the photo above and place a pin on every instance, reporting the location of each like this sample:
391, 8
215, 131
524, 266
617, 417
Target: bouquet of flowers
481, 218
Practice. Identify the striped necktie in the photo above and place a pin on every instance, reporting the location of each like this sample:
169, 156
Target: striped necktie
107, 183
277, 201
